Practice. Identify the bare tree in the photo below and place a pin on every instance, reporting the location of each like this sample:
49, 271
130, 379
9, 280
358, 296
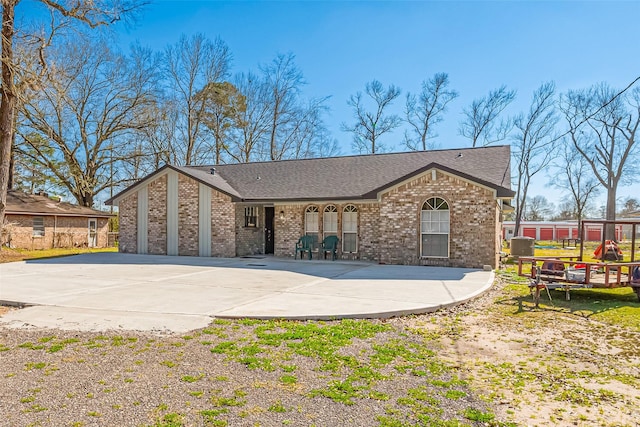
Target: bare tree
480, 123
191, 64
284, 81
602, 128
294, 122
304, 131
245, 141
574, 176
566, 211
630, 205
223, 109
370, 126
533, 144
538, 209
92, 13
29, 175
310, 138
156, 143
79, 123
425, 110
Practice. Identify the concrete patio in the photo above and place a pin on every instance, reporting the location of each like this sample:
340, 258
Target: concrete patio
112, 291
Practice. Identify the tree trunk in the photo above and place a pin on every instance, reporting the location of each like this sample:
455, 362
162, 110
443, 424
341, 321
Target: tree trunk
274, 126
12, 164
7, 103
609, 230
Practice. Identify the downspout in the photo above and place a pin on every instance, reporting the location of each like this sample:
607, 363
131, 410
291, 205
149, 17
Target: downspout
55, 230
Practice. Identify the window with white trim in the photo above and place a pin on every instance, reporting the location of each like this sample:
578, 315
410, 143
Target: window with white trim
350, 229
251, 216
311, 223
38, 226
434, 228
330, 221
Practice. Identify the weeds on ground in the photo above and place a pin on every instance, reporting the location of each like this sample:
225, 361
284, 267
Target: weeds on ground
347, 363
580, 354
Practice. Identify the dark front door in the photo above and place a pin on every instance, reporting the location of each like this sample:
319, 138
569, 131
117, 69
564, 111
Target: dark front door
268, 230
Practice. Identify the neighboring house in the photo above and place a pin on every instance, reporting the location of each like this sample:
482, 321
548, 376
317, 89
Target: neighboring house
34, 221
441, 207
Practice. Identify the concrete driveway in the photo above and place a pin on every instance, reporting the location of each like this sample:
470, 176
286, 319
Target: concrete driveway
111, 291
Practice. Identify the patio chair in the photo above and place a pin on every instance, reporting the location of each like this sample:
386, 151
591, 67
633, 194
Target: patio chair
330, 245
305, 244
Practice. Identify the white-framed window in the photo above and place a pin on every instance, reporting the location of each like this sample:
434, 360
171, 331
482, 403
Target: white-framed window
350, 229
93, 232
251, 216
330, 221
434, 228
38, 226
311, 222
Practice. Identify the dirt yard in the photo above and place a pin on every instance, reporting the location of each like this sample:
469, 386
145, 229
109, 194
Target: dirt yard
541, 367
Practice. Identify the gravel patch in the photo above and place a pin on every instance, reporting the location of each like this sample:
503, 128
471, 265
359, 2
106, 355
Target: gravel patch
235, 373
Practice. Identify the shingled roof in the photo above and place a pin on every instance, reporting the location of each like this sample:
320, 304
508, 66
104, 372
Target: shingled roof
349, 177
19, 203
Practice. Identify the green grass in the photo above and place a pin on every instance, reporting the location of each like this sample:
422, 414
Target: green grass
12, 255
615, 306
191, 378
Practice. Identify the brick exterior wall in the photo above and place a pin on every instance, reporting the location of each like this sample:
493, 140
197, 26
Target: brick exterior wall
157, 223
128, 221
188, 216
287, 230
223, 221
223, 214
388, 230
249, 240
368, 231
473, 216
291, 228
63, 232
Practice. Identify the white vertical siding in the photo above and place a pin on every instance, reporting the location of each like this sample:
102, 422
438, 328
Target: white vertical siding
143, 220
204, 220
172, 213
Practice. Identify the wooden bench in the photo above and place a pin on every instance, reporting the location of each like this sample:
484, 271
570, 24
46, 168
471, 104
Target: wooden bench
330, 245
305, 244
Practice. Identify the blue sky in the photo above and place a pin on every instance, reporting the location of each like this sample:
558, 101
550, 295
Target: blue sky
340, 45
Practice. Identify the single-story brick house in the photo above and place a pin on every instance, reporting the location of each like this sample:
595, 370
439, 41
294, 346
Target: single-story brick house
35, 221
440, 207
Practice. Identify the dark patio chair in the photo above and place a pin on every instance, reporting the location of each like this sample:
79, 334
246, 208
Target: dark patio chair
330, 245
305, 244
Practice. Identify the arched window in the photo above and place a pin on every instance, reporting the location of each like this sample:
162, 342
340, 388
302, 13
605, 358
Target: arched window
311, 222
434, 228
350, 229
330, 221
